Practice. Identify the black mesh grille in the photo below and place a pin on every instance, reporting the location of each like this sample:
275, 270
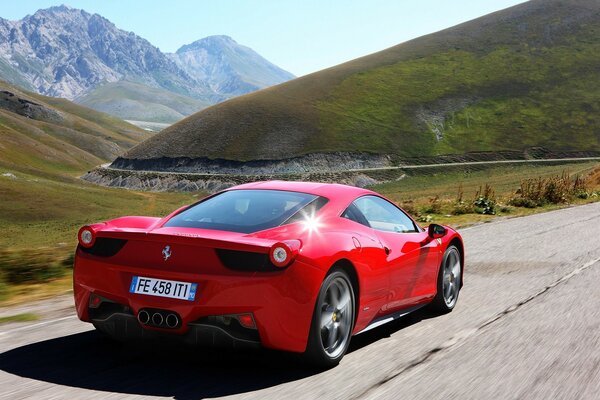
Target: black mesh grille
105, 247
246, 260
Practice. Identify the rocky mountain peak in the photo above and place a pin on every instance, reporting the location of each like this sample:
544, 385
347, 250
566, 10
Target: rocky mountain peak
67, 52
213, 43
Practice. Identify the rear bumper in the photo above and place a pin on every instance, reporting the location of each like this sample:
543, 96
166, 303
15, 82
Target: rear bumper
125, 326
281, 303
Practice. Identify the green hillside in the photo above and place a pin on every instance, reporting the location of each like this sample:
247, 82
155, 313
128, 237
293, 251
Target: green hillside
45, 145
135, 101
40, 133
522, 77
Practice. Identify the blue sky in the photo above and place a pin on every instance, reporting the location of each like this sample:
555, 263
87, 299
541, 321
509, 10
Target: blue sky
301, 36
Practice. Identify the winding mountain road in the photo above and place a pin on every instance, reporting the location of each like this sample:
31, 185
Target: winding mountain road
527, 326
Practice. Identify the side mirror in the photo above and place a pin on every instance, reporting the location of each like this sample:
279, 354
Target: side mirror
436, 231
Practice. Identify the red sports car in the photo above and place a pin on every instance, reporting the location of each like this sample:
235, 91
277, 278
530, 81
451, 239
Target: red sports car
293, 266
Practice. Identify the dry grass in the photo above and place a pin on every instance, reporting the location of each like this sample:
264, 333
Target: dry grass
459, 194
559, 189
24, 293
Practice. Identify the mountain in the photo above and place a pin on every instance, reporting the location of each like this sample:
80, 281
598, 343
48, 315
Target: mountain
63, 52
523, 77
69, 53
229, 68
46, 134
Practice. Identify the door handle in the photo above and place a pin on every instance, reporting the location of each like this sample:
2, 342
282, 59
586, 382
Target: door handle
387, 250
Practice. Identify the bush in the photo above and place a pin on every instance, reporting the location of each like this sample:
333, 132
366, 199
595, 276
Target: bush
425, 219
523, 202
485, 201
30, 266
540, 191
580, 187
409, 207
463, 208
434, 207
558, 189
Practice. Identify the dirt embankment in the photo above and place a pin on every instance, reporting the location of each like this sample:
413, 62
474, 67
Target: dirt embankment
169, 181
310, 163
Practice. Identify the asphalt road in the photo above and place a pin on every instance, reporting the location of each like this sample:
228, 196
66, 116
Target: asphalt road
527, 325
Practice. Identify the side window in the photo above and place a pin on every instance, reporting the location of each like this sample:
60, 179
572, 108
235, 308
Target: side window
353, 214
383, 215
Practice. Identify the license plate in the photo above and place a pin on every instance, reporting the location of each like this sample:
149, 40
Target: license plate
163, 288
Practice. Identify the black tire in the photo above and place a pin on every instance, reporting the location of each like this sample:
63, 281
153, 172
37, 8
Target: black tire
319, 354
443, 303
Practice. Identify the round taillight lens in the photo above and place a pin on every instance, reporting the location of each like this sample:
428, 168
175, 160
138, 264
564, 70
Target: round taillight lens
86, 236
280, 255
283, 253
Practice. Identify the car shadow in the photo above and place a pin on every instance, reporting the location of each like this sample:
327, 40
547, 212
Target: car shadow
89, 360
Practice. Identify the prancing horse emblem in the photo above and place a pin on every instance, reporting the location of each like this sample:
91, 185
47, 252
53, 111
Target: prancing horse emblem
166, 252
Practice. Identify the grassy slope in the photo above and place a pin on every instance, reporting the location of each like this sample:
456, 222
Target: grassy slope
39, 211
78, 138
139, 102
45, 201
42, 200
517, 78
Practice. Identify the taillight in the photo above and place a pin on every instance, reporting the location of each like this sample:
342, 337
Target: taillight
283, 253
86, 236
246, 320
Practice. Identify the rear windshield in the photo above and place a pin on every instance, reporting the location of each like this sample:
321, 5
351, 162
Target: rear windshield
246, 211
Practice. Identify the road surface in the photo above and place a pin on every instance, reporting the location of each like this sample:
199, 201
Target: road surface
527, 326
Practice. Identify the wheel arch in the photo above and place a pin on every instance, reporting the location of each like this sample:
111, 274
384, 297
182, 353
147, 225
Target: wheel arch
456, 241
347, 266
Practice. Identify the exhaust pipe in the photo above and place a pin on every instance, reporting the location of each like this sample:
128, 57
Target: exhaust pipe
172, 321
143, 317
157, 319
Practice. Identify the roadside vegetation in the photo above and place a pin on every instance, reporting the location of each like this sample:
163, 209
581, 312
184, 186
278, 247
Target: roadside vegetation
462, 198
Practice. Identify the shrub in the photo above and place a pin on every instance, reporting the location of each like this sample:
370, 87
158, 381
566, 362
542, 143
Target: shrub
485, 201
553, 190
530, 194
580, 187
30, 266
463, 208
434, 207
409, 207
425, 218
558, 189
523, 202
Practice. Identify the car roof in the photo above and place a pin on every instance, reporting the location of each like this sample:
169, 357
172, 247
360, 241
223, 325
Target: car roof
329, 190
